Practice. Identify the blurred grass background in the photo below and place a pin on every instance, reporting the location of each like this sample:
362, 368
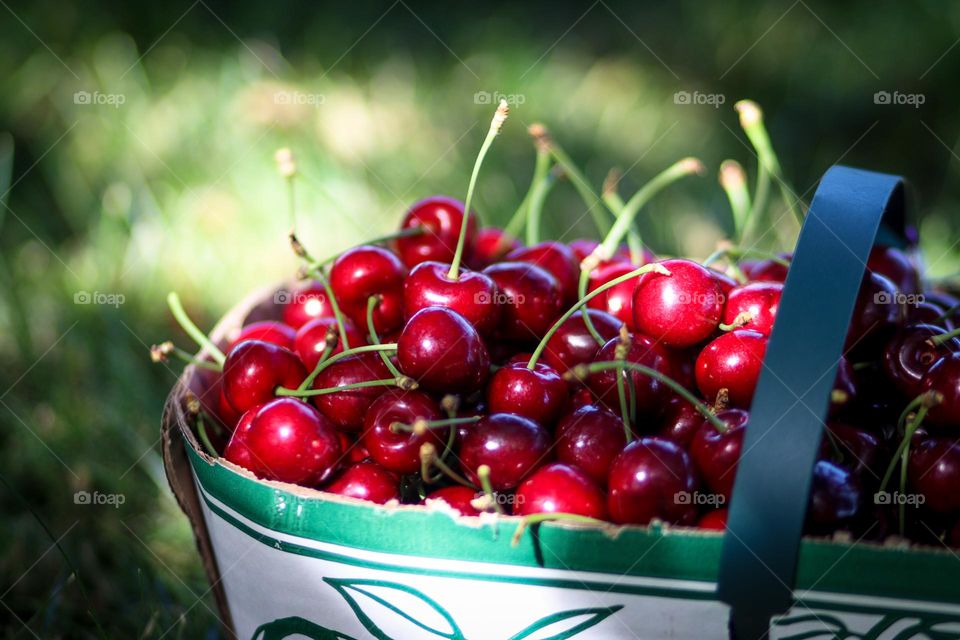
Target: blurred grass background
176, 188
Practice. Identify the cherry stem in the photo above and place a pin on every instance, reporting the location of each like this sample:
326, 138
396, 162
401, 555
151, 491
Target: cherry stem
202, 340
535, 208
396, 235
307, 393
483, 474
537, 518
583, 371
949, 312
428, 458
743, 318
334, 305
288, 169
499, 117
615, 203
587, 320
628, 213
943, 337
658, 268
372, 302
733, 179
924, 401
324, 356
736, 253
346, 353
419, 426
540, 170
620, 353
161, 352
204, 438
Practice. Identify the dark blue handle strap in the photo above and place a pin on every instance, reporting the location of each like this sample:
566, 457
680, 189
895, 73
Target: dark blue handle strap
769, 502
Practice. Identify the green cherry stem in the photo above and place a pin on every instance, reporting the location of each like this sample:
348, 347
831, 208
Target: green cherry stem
204, 438
161, 353
499, 117
733, 179
483, 474
204, 342
420, 426
403, 383
346, 353
620, 353
736, 253
535, 208
288, 169
396, 235
428, 459
540, 170
922, 404
372, 302
331, 344
943, 337
319, 276
655, 267
751, 120
583, 371
587, 320
538, 518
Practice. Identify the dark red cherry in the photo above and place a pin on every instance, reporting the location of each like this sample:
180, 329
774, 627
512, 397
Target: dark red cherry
511, 445
366, 271
845, 390
757, 301
353, 451
732, 362
347, 409
558, 260
302, 305
539, 393
581, 398
583, 247
236, 450
943, 378
289, 441
680, 422
649, 480
253, 371
226, 413
923, 312
895, 265
910, 353
766, 270
366, 481
572, 343
589, 438
491, 245
860, 451
715, 520
457, 497
650, 394
681, 309
399, 451
443, 352
473, 295
530, 299
271, 331
441, 217
617, 300
560, 488
835, 497
716, 453
933, 471
311, 340
725, 282
878, 310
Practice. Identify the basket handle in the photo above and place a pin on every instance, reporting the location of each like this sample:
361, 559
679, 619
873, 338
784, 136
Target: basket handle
769, 502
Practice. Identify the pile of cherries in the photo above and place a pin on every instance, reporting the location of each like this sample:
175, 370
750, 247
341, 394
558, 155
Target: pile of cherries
558, 381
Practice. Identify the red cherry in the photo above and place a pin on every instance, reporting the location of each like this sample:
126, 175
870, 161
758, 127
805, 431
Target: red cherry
861, 451
490, 245
933, 471
366, 481
647, 481
441, 217
732, 362
266, 331
530, 299
583, 247
617, 300
895, 265
879, 308
560, 488
443, 352
717, 453
353, 451
399, 451
539, 393
227, 414
572, 343
590, 438
236, 450
715, 520
725, 282
758, 301
253, 371
909, 354
311, 340
512, 446
368, 271
456, 497
943, 379
681, 309
558, 260
290, 441
473, 295
649, 393
347, 409
303, 305
766, 270
680, 422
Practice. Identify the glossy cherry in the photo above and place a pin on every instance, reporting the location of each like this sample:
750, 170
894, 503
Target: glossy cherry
715, 520
366, 271
933, 471
617, 300
399, 451
894, 264
442, 218
649, 393
236, 450
311, 340
253, 371
681, 309
558, 260
909, 354
347, 409
302, 305
560, 488
878, 310
530, 300
717, 453
943, 379
271, 331
473, 295
680, 422
861, 451
366, 481
648, 480
589, 438
572, 343
511, 445
457, 497
753, 306
835, 497
443, 352
289, 441
766, 270
539, 393
490, 245
732, 362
